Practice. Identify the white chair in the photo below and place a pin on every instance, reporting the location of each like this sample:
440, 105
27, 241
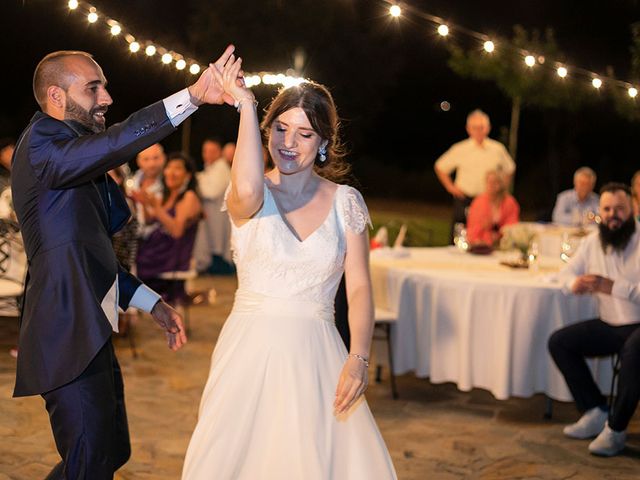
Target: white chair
384, 319
13, 267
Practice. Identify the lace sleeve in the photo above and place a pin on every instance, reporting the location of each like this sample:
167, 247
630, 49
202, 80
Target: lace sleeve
224, 208
356, 214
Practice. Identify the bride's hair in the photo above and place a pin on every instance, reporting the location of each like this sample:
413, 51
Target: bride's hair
318, 105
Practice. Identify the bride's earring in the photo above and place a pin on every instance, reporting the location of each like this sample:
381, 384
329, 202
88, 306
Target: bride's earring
322, 153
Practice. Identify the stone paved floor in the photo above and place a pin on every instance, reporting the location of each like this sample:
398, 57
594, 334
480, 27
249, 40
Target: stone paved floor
432, 431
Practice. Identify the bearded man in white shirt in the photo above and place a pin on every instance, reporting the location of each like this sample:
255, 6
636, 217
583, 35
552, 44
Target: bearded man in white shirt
606, 265
471, 160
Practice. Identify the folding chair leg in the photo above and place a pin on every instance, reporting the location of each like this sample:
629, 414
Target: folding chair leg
392, 376
548, 408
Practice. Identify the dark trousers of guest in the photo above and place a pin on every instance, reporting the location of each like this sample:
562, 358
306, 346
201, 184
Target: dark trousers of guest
89, 421
570, 346
460, 206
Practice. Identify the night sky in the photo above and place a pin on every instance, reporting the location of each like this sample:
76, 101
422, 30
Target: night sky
388, 77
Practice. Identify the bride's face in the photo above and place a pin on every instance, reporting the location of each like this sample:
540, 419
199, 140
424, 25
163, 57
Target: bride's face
293, 143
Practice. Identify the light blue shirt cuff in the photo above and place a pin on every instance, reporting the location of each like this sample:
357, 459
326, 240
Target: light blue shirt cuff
144, 299
179, 107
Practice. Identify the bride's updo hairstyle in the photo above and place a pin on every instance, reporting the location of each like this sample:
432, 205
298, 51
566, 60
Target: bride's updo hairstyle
318, 105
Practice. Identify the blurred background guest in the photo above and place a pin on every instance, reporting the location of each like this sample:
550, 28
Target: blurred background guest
491, 210
146, 181
164, 256
7, 145
212, 251
471, 159
635, 194
573, 206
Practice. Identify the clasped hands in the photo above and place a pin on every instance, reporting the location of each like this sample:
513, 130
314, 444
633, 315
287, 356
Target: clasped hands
221, 82
592, 284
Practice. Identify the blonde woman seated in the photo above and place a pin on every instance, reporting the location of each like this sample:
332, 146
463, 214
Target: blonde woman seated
490, 211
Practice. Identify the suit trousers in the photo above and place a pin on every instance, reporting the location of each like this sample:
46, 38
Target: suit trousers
570, 346
89, 421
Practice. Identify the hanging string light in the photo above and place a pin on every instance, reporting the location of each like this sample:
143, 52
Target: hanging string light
168, 56
530, 59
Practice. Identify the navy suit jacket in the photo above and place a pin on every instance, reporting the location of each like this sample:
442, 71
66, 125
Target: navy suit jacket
68, 208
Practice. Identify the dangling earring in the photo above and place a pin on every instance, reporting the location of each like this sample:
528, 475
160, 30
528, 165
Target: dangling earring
322, 153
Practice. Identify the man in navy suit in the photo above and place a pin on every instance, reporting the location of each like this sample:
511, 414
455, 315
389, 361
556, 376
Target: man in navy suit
68, 208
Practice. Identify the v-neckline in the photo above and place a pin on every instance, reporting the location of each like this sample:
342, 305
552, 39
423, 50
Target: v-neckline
290, 228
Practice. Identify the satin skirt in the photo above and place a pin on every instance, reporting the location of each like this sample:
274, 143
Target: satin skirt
267, 407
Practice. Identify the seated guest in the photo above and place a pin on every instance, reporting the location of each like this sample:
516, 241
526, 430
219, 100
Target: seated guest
606, 265
635, 194
490, 211
572, 205
164, 256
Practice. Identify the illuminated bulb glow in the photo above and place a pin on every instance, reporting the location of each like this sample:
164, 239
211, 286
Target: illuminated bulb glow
632, 92
489, 46
530, 60
181, 64
443, 30
562, 72
150, 50
395, 11
134, 47
116, 30
167, 58
73, 4
92, 17
194, 69
596, 82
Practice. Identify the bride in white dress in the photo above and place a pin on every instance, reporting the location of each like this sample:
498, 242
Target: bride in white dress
284, 398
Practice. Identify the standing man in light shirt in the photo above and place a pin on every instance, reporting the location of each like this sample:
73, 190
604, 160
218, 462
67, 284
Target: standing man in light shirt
606, 265
68, 208
471, 160
212, 249
572, 205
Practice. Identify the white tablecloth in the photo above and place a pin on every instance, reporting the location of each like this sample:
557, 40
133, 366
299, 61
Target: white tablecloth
466, 319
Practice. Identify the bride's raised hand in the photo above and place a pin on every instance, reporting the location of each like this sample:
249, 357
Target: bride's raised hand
234, 85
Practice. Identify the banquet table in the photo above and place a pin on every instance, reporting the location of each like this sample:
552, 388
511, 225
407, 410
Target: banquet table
468, 319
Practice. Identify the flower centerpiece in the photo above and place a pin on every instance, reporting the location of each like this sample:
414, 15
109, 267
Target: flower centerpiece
518, 236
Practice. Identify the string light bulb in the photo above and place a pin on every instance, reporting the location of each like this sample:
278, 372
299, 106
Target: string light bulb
632, 92
395, 11
530, 60
489, 46
92, 17
562, 72
596, 82
167, 58
134, 47
194, 69
73, 4
181, 64
443, 30
150, 50
116, 29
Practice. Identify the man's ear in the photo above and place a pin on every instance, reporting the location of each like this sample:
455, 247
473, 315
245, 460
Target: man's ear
56, 96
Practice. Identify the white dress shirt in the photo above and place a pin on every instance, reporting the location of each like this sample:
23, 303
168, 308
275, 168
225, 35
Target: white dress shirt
622, 307
472, 161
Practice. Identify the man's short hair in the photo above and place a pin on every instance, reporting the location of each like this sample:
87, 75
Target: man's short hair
50, 71
478, 113
587, 172
213, 139
613, 187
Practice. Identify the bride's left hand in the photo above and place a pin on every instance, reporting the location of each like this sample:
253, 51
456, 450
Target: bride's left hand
353, 382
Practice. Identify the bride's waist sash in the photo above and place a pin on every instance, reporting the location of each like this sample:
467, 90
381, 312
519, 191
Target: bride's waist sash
247, 302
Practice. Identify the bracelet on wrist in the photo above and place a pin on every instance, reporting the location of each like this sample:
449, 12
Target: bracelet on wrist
238, 103
361, 358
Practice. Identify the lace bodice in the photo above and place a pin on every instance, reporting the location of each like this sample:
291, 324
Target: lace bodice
272, 261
